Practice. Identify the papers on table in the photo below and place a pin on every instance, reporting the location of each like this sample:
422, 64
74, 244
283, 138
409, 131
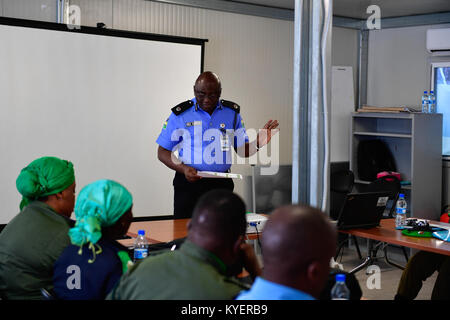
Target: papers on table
211, 174
441, 225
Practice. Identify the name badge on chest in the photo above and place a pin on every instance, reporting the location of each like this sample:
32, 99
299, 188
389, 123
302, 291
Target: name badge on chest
225, 142
193, 123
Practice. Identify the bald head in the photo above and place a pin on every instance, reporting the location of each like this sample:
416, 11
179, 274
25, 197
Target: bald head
208, 77
207, 90
294, 239
218, 220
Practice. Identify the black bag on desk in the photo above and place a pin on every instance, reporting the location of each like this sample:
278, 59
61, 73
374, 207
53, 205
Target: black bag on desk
158, 248
374, 156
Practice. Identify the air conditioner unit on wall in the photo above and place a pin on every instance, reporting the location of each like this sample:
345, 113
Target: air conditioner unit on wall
438, 41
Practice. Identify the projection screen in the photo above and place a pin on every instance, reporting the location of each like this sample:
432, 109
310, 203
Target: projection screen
96, 97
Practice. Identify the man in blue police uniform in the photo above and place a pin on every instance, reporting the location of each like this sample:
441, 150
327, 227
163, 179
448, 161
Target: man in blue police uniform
202, 131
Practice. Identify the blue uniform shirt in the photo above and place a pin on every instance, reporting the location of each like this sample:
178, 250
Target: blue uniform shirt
267, 290
204, 141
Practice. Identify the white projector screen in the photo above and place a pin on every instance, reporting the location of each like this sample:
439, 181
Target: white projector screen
95, 97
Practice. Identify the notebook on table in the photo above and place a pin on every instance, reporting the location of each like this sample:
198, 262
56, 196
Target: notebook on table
362, 210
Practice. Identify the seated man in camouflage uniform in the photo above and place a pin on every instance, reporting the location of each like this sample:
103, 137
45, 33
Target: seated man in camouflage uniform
204, 266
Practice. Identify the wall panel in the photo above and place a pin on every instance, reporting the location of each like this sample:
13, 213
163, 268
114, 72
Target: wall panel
95, 11
42, 10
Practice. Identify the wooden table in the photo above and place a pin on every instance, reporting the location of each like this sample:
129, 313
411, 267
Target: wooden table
387, 233
160, 231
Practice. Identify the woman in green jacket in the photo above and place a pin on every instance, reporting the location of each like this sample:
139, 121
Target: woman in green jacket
34, 239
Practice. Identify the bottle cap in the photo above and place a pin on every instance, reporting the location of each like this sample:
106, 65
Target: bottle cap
425, 92
401, 195
431, 91
141, 232
340, 277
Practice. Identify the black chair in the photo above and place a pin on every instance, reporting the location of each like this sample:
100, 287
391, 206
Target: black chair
387, 183
341, 184
392, 184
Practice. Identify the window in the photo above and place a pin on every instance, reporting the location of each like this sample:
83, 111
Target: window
440, 83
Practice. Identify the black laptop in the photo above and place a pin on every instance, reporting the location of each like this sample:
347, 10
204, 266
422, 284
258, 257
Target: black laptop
363, 210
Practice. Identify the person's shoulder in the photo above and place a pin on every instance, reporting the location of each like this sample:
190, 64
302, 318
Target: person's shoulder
182, 107
108, 245
68, 253
230, 104
233, 281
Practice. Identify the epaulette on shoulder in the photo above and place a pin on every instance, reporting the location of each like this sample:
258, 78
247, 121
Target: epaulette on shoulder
231, 105
182, 107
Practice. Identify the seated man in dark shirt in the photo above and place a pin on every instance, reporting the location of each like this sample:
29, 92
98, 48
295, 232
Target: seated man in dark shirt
90, 267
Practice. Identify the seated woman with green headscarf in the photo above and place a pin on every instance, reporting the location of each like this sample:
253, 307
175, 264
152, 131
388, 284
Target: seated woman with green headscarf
90, 267
34, 239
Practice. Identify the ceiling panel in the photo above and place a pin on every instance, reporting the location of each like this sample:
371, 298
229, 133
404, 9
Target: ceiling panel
285, 4
389, 8
357, 8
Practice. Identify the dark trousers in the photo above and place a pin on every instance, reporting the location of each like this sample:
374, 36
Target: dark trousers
421, 266
187, 193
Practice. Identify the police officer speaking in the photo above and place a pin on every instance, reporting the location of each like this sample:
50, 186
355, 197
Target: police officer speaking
198, 136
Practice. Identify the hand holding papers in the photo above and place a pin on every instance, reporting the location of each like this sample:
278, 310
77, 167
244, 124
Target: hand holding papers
211, 174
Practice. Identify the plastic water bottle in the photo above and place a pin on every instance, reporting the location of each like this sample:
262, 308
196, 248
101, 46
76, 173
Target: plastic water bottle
340, 290
400, 209
140, 246
425, 102
431, 102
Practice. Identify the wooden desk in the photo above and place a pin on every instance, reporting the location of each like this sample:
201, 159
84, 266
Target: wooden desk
386, 232
159, 231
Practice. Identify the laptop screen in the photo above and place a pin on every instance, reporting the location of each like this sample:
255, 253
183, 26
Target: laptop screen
363, 210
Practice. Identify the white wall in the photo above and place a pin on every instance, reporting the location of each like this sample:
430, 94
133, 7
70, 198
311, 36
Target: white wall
399, 71
399, 66
44, 10
345, 51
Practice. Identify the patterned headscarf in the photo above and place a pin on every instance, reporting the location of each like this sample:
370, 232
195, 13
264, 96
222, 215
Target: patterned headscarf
43, 177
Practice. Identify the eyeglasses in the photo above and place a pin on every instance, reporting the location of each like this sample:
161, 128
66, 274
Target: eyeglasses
203, 95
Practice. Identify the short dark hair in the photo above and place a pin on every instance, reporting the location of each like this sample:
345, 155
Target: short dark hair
220, 212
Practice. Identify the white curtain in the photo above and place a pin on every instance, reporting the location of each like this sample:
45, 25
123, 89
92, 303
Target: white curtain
312, 84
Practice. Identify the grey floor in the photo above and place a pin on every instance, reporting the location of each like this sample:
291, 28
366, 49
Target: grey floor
385, 286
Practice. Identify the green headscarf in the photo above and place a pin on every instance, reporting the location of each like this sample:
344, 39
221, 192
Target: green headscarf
99, 204
43, 177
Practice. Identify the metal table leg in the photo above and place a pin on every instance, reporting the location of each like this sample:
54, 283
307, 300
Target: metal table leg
367, 261
390, 262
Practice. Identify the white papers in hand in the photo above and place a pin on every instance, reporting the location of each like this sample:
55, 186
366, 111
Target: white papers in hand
211, 174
